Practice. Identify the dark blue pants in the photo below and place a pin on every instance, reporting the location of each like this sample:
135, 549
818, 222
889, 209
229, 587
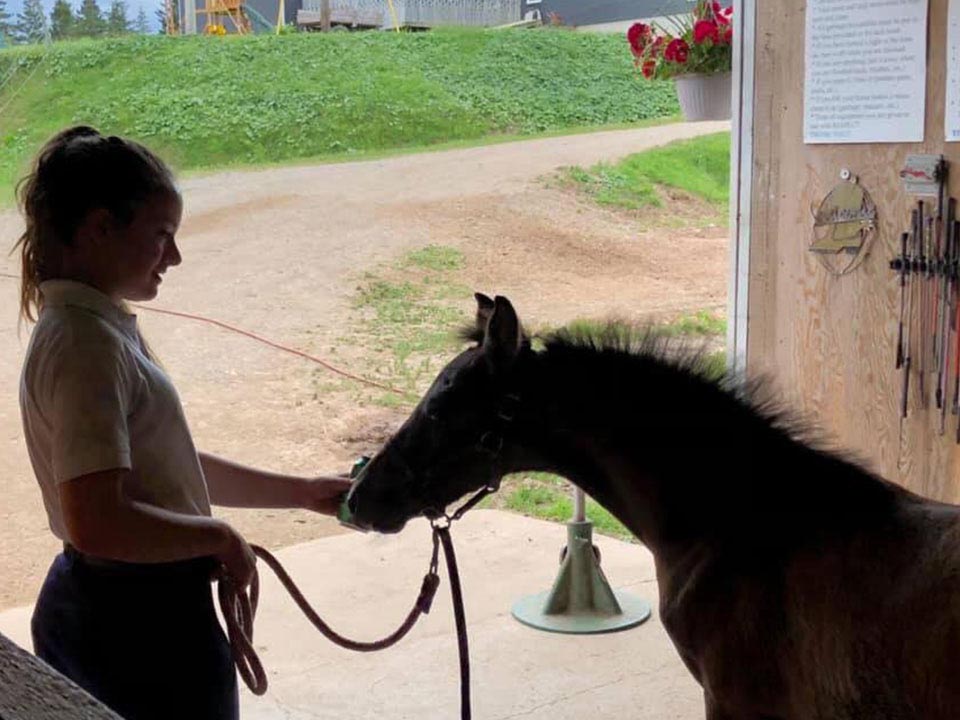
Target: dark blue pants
142, 639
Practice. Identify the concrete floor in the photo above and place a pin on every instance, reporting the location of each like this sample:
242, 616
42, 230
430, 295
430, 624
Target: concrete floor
363, 585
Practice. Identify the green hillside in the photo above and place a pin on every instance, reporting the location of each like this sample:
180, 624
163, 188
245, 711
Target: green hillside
211, 102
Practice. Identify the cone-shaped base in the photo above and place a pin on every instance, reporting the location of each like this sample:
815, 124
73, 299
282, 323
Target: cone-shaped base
581, 600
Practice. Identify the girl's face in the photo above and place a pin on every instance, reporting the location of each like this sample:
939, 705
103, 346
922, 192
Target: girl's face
135, 256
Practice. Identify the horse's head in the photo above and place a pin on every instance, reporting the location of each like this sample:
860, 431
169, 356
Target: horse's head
451, 443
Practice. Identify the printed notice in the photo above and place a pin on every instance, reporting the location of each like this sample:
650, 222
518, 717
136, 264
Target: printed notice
952, 120
866, 67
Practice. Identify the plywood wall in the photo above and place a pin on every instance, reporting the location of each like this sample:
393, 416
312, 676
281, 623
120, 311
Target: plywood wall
829, 341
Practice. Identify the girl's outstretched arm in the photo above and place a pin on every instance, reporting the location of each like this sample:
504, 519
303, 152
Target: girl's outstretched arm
234, 485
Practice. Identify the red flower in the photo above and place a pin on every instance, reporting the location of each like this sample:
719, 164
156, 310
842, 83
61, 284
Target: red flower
704, 30
649, 67
656, 46
677, 51
637, 36
727, 36
722, 14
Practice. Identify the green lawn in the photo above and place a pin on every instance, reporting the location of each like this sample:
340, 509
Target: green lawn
212, 102
700, 167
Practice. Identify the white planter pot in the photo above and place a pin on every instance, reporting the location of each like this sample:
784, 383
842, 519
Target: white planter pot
704, 97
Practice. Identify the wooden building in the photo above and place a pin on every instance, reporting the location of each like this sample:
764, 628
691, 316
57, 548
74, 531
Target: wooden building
830, 341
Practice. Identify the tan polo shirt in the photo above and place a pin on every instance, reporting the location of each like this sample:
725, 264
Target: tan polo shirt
91, 399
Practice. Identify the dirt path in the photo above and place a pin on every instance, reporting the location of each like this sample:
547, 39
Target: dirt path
278, 252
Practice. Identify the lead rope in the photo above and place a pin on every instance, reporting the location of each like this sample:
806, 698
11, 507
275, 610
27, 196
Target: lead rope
459, 617
239, 609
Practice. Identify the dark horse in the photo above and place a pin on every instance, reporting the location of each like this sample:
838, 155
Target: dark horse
794, 584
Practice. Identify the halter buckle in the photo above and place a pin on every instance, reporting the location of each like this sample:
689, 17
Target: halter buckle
441, 522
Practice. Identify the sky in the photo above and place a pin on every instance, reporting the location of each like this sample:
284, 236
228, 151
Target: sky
133, 7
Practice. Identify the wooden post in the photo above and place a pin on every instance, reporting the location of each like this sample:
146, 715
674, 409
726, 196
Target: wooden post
170, 19
325, 15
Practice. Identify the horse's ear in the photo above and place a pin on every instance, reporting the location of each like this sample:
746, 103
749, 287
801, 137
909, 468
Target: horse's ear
484, 310
503, 338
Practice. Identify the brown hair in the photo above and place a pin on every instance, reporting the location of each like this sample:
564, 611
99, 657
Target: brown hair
76, 171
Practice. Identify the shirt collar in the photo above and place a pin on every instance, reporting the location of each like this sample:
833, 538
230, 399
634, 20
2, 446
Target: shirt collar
76, 294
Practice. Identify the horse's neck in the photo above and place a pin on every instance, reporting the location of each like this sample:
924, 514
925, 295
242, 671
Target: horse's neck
666, 456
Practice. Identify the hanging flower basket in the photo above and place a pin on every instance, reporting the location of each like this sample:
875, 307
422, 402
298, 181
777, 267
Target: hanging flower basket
696, 53
704, 97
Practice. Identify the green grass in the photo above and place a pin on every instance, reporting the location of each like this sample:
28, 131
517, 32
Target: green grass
409, 319
700, 167
702, 323
436, 257
549, 497
214, 102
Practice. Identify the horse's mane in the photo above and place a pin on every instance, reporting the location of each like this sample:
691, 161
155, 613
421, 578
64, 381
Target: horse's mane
693, 360
647, 342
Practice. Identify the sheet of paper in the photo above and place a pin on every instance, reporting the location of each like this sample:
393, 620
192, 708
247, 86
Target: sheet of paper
952, 120
865, 71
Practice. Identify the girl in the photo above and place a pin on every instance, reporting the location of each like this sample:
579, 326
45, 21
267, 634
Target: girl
126, 610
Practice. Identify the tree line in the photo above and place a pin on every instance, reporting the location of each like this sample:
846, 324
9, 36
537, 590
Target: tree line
33, 25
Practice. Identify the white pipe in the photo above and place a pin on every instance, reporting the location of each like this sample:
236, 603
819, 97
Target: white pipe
741, 181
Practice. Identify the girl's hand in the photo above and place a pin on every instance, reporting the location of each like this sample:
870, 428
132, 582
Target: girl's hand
325, 494
237, 558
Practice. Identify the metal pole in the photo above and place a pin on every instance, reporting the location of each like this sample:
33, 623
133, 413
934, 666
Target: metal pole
581, 599
579, 505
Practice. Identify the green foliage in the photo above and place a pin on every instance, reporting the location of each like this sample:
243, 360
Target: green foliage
715, 367
410, 319
549, 497
31, 24
212, 102
535, 81
436, 257
702, 323
117, 22
90, 22
698, 42
141, 25
700, 166
61, 20
7, 29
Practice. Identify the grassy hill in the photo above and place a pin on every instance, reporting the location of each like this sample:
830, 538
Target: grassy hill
212, 102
